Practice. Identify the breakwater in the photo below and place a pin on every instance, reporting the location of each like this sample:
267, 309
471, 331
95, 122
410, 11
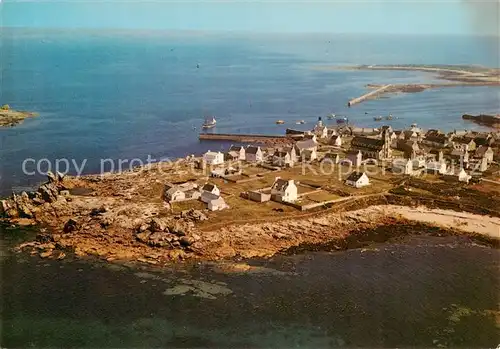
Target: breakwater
368, 95
243, 138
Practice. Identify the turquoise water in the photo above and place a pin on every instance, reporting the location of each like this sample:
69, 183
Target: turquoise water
420, 292
125, 95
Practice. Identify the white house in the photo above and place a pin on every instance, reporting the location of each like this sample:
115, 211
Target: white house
254, 154
239, 150
213, 158
210, 188
357, 179
463, 176
283, 159
402, 166
217, 204
336, 141
284, 190
482, 165
355, 157
174, 193
436, 167
464, 143
181, 192
484, 151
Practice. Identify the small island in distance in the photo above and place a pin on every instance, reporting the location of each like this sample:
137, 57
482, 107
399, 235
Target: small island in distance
457, 75
484, 119
10, 117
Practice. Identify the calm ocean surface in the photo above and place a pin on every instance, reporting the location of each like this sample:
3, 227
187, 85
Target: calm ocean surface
125, 95
421, 292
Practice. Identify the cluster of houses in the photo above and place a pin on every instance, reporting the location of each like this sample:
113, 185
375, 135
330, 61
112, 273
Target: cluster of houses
208, 193
236, 153
451, 155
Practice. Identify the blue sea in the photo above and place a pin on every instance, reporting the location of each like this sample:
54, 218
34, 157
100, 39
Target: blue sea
125, 95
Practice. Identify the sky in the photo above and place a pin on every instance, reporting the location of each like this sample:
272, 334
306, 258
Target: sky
331, 16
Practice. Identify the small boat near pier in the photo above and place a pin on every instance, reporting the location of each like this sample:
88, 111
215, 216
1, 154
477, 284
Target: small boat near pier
209, 123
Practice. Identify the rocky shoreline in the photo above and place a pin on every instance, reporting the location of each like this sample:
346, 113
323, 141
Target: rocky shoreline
492, 121
95, 226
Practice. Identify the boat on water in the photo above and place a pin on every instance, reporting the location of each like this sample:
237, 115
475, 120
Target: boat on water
389, 117
332, 116
209, 123
280, 122
377, 118
300, 122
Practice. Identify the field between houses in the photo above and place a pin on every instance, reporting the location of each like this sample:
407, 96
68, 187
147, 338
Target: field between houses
316, 183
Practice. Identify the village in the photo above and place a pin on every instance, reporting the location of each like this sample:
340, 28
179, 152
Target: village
256, 199
328, 165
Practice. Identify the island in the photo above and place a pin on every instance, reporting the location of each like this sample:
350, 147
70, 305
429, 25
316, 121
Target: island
333, 188
458, 75
10, 117
484, 119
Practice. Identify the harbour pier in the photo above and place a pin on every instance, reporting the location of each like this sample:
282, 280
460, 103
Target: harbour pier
368, 95
241, 138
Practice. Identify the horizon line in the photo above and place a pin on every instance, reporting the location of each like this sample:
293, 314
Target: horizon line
240, 31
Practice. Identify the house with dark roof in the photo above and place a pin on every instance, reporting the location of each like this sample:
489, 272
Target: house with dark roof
355, 157
484, 152
399, 134
180, 192
357, 179
335, 140
486, 140
409, 148
410, 135
386, 128
239, 150
433, 133
373, 148
210, 188
332, 157
284, 158
460, 155
440, 140
284, 190
438, 154
254, 154
464, 143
